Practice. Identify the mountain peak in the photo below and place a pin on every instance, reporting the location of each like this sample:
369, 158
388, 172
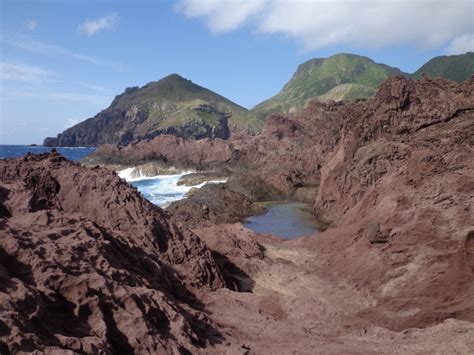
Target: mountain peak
172, 105
318, 76
174, 77
453, 67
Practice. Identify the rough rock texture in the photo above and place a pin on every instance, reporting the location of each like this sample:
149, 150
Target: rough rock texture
212, 204
201, 154
237, 252
193, 179
395, 271
88, 265
398, 185
299, 305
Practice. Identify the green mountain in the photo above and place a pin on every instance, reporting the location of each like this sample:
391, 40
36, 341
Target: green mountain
348, 92
318, 76
348, 77
172, 105
454, 67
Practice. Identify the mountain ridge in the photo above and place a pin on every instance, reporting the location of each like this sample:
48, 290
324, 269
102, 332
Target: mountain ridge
171, 105
177, 106
346, 76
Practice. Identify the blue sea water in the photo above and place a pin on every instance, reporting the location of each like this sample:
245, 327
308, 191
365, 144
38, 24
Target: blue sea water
287, 220
72, 153
161, 189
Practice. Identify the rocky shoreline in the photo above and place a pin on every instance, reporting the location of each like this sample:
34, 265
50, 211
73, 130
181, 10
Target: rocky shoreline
393, 273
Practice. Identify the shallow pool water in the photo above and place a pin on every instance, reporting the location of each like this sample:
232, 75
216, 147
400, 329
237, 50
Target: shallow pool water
287, 220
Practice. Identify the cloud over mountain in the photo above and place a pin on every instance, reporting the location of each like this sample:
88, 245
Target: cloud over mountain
364, 24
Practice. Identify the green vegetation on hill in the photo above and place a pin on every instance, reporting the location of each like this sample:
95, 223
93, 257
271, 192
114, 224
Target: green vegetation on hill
454, 67
348, 77
172, 105
174, 100
348, 92
318, 76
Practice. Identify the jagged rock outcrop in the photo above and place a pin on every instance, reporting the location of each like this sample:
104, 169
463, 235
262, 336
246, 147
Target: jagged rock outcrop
88, 265
167, 150
213, 204
393, 175
398, 188
394, 272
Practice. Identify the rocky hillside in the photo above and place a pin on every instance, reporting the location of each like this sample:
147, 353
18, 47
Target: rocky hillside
172, 105
393, 176
176, 106
393, 272
346, 77
88, 265
454, 67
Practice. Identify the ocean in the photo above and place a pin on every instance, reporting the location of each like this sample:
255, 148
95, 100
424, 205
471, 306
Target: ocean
286, 220
160, 190
72, 153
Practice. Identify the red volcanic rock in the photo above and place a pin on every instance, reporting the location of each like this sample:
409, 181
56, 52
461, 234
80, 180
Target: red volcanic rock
213, 204
178, 152
88, 265
280, 126
237, 252
398, 186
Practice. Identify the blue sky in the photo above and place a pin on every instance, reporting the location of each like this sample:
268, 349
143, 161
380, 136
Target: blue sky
64, 61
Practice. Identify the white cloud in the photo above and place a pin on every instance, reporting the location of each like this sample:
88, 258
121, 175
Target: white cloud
34, 46
221, 15
461, 45
24, 73
359, 23
31, 25
107, 22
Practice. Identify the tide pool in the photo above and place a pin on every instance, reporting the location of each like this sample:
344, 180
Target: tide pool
286, 220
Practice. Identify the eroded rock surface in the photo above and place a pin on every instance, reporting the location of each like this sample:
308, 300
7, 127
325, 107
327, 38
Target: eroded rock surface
394, 273
398, 186
88, 265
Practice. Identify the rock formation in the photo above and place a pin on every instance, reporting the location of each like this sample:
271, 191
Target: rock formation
394, 272
88, 265
397, 186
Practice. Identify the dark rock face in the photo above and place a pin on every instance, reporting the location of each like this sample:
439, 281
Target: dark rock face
193, 130
213, 204
193, 179
103, 130
88, 265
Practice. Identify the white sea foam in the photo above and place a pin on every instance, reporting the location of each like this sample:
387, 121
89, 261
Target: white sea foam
162, 189
130, 175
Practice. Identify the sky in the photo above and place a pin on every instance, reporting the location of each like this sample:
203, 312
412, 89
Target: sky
64, 61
